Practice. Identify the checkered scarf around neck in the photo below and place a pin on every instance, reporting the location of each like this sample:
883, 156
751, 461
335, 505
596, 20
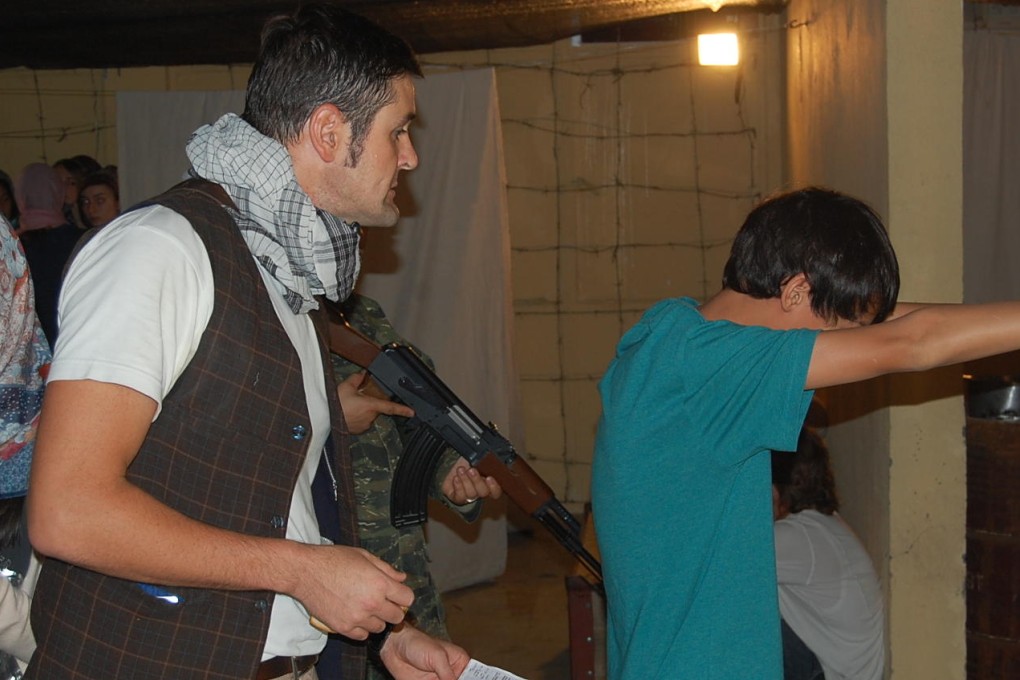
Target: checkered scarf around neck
307, 251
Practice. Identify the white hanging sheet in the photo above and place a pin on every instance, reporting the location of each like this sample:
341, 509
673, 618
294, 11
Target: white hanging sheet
991, 166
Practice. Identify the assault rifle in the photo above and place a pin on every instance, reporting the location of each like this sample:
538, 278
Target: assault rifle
447, 422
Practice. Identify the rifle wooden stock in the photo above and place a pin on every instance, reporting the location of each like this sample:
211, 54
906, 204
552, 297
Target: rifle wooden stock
345, 341
519, 481
448, 422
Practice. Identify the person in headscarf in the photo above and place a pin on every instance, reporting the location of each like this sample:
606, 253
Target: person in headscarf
46, 236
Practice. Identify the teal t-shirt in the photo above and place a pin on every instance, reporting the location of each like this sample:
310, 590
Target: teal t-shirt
681, 493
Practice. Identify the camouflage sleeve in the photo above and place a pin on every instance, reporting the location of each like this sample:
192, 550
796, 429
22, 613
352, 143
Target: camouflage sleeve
367, 316
374, 455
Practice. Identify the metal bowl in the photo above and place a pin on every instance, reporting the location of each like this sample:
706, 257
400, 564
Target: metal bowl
995, 397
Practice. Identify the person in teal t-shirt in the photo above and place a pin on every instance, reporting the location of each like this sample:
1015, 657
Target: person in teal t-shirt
699, 394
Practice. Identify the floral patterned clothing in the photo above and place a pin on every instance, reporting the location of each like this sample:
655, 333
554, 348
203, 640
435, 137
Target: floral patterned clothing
24, 361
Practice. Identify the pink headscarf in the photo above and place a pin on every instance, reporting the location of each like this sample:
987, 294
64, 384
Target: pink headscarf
40, 196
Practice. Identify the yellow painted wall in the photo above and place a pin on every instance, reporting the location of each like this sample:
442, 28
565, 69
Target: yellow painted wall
49, 115
928, 471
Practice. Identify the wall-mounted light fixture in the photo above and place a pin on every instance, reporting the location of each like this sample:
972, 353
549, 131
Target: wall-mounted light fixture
718, 49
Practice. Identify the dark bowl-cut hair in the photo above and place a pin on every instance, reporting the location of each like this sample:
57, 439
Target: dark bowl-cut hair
101, 178
804, 478
324, 54
835, 240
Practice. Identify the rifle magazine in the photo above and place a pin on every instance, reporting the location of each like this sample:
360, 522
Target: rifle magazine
415, 470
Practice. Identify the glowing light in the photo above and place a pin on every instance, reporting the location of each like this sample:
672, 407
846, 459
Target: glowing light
718, 49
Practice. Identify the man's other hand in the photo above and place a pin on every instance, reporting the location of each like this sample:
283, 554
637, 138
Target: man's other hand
410, 654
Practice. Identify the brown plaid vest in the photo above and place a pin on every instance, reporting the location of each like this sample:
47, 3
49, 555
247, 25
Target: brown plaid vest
226, 450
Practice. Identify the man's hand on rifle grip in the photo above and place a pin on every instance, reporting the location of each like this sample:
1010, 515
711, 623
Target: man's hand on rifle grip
362, 402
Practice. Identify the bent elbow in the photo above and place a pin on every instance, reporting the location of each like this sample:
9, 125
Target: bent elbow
50, 528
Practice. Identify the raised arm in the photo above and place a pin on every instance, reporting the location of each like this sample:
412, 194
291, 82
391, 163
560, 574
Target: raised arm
918, 338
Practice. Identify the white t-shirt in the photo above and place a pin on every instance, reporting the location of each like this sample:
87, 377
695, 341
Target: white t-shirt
829, 594
133, 309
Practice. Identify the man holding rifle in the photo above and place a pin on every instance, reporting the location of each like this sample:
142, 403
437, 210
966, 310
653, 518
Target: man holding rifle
190, 408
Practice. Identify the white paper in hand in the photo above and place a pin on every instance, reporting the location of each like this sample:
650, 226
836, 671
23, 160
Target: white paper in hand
477, 670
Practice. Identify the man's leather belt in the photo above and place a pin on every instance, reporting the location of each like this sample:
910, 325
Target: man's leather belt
279, 666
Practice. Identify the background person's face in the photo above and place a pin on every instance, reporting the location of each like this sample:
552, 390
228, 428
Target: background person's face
99, 204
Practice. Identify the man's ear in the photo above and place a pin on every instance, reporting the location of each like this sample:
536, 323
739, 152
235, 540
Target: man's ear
328, 132
795, 292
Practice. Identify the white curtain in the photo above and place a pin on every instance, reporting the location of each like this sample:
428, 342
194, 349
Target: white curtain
442, 274
443, 277
152, 130
991, 165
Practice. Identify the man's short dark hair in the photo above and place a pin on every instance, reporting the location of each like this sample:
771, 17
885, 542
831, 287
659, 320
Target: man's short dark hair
324, 54
804, 478
836, 241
